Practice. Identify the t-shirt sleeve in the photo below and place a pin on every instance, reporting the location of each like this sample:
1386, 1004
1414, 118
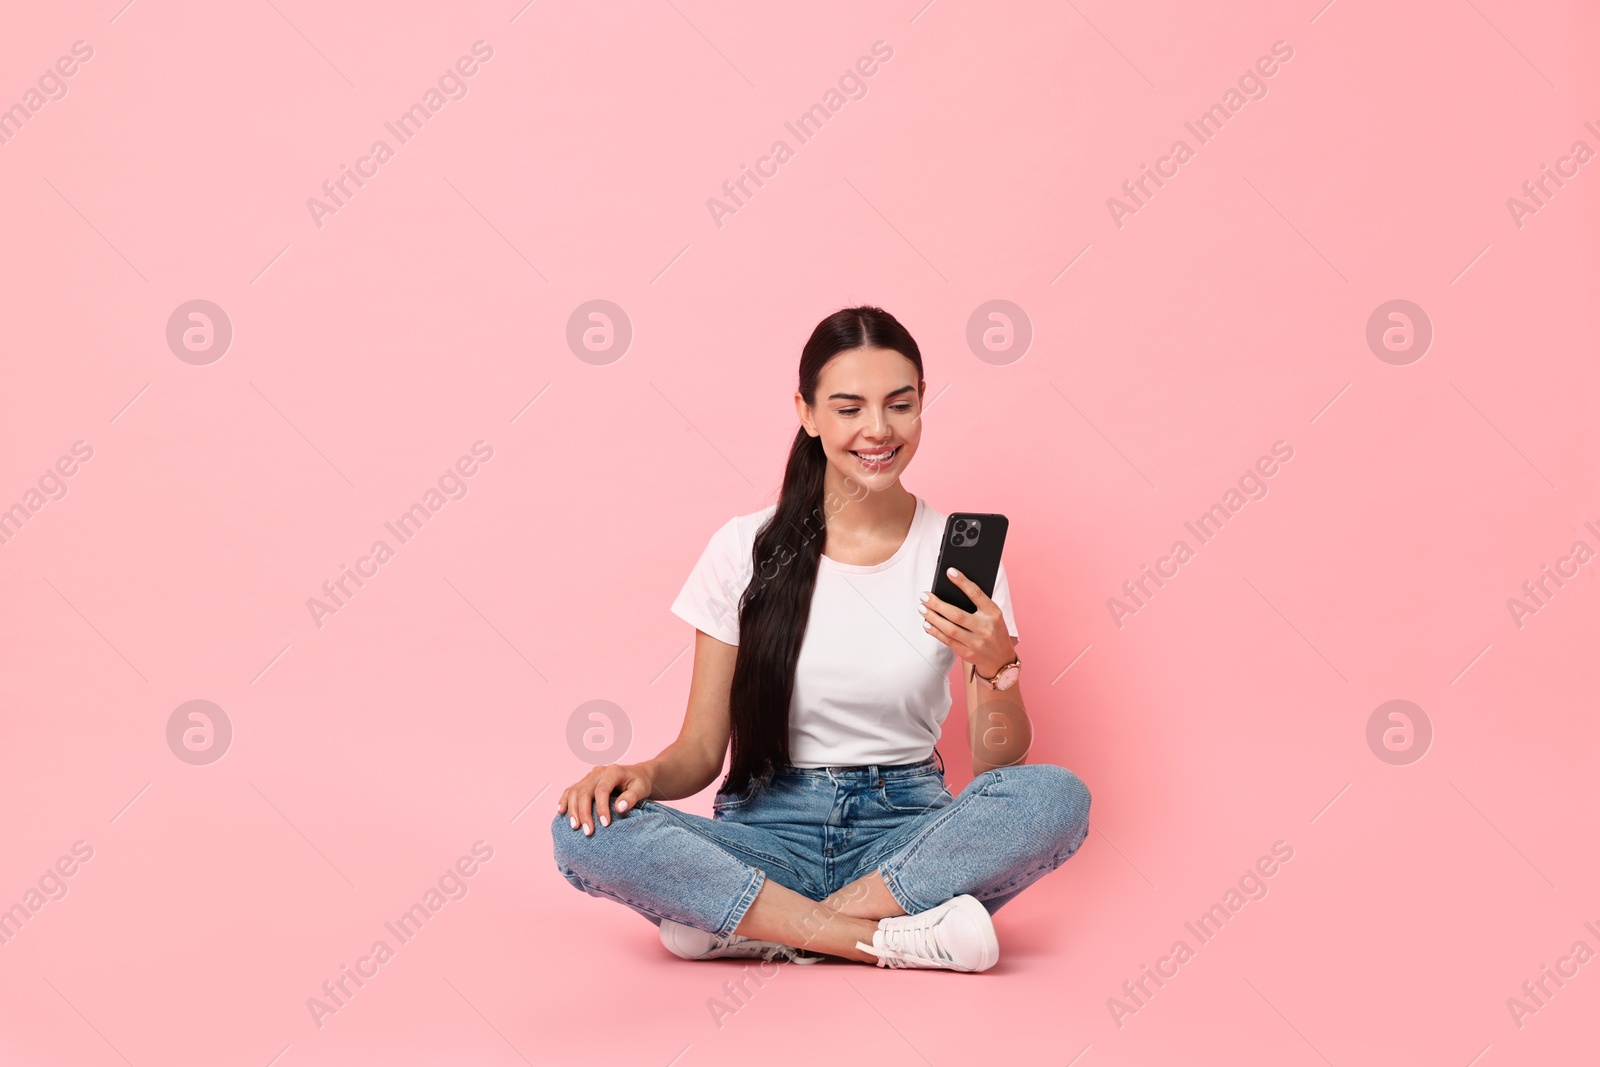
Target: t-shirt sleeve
1002, 597
709, 599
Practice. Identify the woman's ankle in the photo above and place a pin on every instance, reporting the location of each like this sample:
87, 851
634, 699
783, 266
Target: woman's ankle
866, 898
840, 935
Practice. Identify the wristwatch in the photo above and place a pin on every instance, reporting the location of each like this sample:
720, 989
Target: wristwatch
1004, 678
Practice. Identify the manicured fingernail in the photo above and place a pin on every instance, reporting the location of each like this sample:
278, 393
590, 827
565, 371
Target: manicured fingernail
952, 572
605, 821
573, 819
923, 608
588, 830
622, 805
924, 597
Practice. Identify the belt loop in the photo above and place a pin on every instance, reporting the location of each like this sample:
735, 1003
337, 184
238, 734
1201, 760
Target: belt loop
940, 757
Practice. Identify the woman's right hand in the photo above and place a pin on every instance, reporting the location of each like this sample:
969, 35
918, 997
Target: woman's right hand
579, 801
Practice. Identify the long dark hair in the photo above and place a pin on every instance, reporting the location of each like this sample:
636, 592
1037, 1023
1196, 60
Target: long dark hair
776, 605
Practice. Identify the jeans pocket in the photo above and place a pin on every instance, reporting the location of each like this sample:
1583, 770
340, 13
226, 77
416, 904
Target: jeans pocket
923, 792
725, 801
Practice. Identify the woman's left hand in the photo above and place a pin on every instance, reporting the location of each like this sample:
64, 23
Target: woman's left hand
979, 637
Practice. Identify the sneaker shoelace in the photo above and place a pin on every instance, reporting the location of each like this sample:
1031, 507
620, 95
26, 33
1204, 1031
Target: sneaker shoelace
906, 946
767, 950
795, 955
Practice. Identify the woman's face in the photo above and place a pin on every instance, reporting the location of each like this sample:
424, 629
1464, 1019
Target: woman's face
868, 415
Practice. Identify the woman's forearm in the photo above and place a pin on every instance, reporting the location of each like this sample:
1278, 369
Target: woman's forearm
1001, 731
681, 770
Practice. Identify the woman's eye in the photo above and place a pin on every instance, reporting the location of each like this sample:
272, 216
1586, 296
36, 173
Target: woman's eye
852, 411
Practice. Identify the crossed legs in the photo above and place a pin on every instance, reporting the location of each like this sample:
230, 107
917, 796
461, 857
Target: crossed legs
1030, 819
831, 926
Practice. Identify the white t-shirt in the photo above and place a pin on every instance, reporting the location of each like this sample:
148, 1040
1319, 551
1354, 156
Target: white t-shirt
871, 686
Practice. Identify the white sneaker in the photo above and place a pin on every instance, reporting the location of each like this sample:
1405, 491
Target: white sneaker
694, 944
958, 935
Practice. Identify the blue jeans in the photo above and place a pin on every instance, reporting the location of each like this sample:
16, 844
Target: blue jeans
816, 830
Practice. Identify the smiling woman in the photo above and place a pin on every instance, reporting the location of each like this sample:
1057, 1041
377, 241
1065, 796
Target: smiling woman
833, 832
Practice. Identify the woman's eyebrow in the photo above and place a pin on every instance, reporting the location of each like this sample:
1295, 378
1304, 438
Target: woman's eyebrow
853, 396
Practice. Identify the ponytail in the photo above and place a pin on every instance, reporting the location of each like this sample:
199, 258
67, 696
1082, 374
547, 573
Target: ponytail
776, 606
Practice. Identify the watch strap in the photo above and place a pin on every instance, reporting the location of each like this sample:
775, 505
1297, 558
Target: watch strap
989, 681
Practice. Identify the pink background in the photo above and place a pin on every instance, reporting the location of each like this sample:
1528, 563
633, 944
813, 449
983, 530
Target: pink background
431, 711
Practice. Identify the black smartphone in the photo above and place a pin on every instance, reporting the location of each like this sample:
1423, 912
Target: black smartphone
971, 545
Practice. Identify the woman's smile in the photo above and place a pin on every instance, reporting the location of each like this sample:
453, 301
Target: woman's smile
876, 459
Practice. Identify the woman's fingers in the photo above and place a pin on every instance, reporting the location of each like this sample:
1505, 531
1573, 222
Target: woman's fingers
568, 805
588, 796
944, 626
593, 798
587, 804
936, 607
602, 795
629, 796
949, 633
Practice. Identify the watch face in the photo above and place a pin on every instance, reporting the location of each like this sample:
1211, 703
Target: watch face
1006, 678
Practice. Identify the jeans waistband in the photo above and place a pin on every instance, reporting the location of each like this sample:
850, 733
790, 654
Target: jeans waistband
934, 762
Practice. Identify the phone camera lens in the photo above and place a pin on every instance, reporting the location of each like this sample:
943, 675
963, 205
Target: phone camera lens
961, 524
